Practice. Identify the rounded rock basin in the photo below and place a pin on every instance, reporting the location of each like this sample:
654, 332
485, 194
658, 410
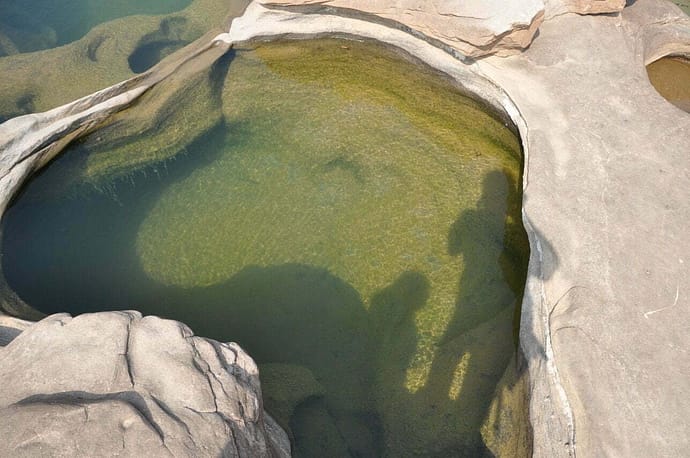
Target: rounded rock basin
670, 76
343, 213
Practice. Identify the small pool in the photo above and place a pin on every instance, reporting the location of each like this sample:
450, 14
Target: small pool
670, 76
343, 213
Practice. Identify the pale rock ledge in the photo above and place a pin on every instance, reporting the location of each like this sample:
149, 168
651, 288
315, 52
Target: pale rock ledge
474, 28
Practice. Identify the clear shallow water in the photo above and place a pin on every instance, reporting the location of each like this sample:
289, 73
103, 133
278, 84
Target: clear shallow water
41, 24
110, 53
671, 78
351, 220
684, 5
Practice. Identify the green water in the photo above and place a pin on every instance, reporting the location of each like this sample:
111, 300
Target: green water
108, 53
349, 218
41, 24
684, 5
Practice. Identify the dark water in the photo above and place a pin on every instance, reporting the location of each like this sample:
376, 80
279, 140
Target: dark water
41, 24
351, 220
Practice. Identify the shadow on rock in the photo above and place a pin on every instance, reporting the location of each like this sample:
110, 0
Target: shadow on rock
308, 330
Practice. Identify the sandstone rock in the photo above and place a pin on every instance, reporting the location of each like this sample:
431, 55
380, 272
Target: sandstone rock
556, 7
474, 28
115, 383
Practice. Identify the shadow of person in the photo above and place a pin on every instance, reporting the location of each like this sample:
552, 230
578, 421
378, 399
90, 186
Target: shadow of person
305, 326
445, 416
392, 314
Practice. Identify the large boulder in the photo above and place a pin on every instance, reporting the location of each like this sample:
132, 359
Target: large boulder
114, 383
474, 27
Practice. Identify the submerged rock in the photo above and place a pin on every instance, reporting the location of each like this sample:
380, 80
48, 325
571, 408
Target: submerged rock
115, 383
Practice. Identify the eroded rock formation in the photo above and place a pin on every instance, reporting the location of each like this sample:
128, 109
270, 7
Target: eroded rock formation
556, 7
475, 28
118, 384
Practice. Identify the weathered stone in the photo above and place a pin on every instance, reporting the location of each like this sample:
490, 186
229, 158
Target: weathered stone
115, 383
10, 328
556, 7
474, 28
606, 206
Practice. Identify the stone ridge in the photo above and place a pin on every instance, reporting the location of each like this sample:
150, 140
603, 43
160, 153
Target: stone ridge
557, 7
114, 383
474, 28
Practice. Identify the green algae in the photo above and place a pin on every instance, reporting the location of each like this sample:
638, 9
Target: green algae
683, 5
42, 80
344, 213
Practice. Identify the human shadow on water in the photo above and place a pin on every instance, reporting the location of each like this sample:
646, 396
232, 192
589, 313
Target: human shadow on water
444, 416
309, 328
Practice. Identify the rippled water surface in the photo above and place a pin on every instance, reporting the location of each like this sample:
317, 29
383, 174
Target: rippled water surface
343, 213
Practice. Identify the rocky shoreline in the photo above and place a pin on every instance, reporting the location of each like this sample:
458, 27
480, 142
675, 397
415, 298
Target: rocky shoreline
602, 362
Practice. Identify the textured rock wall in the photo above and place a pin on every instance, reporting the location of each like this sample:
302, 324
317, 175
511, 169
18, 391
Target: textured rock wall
114, 383
556, 7
474, 28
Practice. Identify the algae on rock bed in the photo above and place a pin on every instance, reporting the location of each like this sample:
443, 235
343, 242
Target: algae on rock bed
42, 80
349, 213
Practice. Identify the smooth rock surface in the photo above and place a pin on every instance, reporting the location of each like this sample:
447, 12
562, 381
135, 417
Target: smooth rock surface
607, 204
474, 27
557, 7
114, 383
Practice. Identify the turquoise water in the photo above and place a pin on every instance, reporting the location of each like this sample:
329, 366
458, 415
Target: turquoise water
350, 219
41, 24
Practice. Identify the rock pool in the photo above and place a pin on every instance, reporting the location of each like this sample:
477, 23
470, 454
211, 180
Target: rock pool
670, 76
343, 213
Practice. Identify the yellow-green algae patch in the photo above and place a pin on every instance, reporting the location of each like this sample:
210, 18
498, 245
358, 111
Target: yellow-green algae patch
671, 77
341, 211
